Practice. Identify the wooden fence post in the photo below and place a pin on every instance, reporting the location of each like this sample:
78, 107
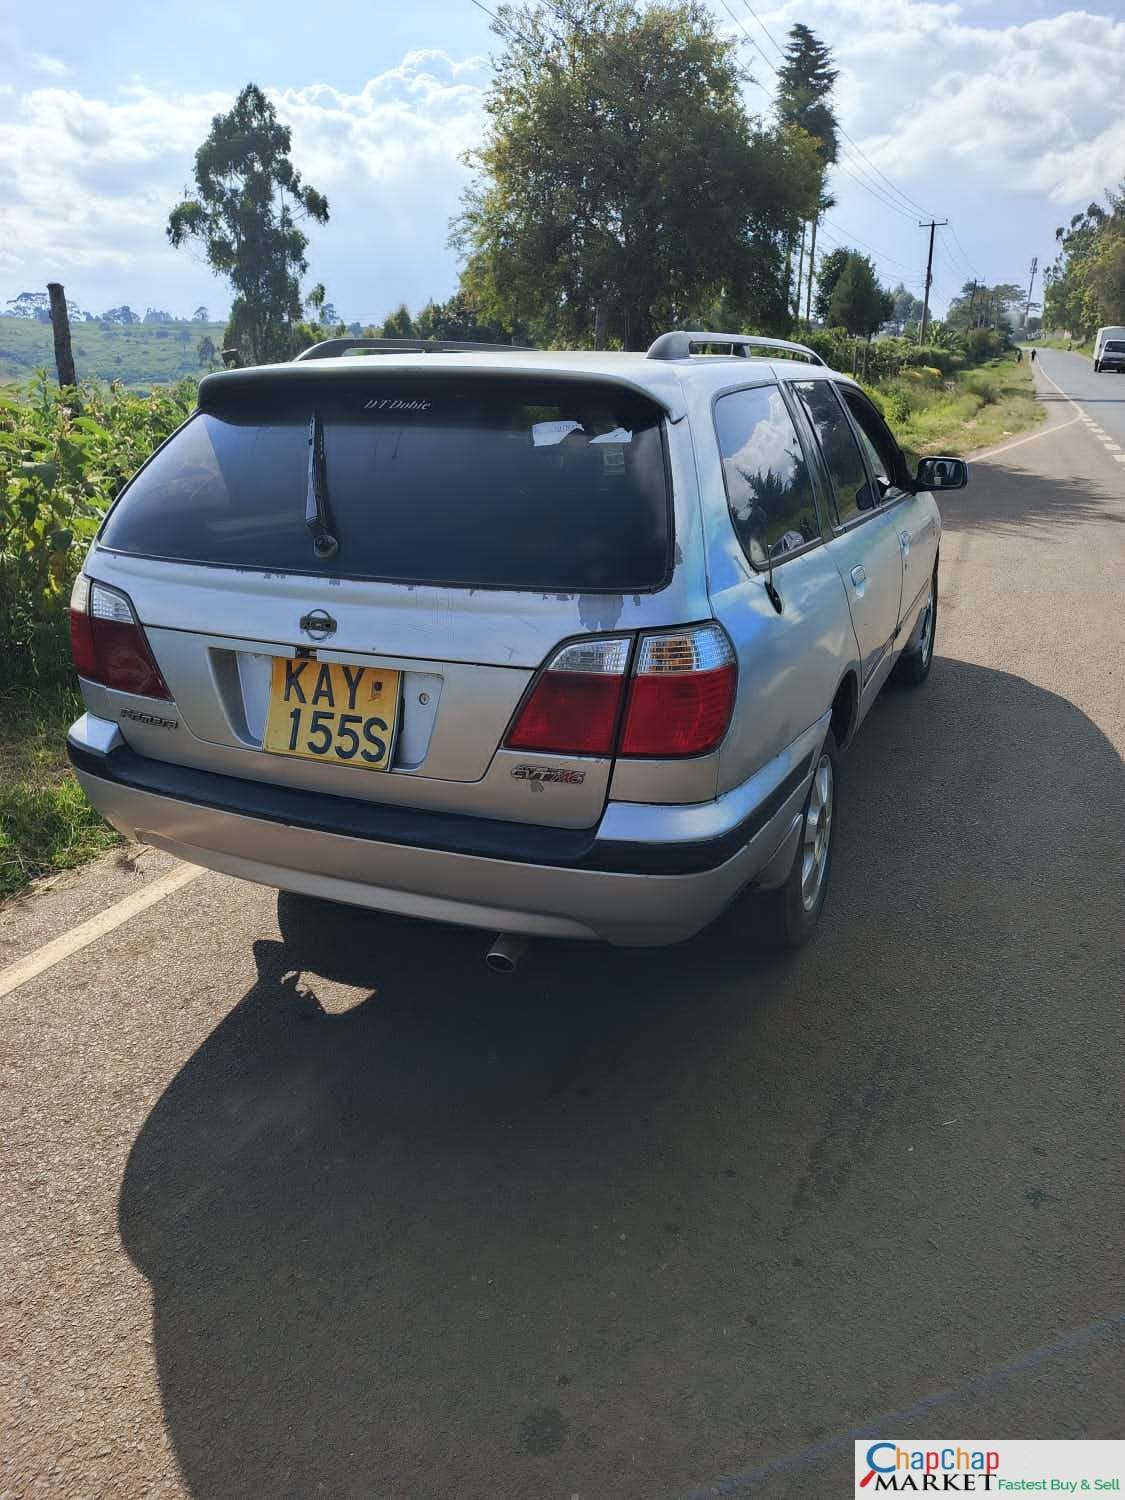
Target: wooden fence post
60, 325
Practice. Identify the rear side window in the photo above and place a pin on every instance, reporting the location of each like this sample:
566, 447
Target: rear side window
765, 470
486, 483
1114, 346
839, 447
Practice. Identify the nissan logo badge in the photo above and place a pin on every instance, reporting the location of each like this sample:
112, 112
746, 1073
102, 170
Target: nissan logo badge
318, 623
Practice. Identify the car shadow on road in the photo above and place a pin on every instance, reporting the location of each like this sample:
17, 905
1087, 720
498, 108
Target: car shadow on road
1001, 498
603, 1227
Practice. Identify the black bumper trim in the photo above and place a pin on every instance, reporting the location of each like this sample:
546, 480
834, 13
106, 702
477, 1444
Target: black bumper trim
449, 833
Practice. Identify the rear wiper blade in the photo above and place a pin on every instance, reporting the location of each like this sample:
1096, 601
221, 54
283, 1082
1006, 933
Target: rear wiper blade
316, 498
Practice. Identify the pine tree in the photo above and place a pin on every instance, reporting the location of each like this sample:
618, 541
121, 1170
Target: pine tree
805, 82
804, 88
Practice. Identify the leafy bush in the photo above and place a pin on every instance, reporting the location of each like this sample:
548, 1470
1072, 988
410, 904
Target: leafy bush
63, 458
896, 406
981, 384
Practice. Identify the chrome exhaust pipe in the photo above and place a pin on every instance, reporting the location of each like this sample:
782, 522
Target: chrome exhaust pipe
505, 953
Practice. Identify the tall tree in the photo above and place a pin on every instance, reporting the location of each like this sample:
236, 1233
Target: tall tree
831, 268
399, 324
906, 308
805, 82
982, 306
248, 206
858, 302
1086, 284
621, 186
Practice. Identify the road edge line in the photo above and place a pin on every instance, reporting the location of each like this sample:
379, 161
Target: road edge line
46, 957
976, 458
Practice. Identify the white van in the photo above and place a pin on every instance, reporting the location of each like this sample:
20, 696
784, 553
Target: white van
1109, 349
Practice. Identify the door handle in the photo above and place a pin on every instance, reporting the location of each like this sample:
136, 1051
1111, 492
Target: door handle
859, 575
904, 542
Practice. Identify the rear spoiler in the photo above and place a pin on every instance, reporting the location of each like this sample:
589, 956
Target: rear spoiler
662, 387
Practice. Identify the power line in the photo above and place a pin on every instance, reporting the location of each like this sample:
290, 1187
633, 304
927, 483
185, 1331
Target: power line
882, 254
904, 196
964, 255
851, 167
738, 21
780, 50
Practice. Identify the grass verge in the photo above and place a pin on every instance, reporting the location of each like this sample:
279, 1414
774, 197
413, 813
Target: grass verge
975, 409
46, 824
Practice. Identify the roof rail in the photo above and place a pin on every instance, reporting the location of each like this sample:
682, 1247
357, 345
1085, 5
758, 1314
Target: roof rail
679, 345
336, 348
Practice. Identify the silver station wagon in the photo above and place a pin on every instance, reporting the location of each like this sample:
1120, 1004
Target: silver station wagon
563, 644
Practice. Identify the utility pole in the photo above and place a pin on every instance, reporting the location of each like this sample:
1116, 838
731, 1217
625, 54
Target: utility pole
931, 226
812, 268
1030, 284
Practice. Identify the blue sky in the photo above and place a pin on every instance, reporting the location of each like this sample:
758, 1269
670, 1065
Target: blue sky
1006, 118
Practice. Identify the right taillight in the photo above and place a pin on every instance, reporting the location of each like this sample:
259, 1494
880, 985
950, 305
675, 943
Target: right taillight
677, 702
682, 693
107, 642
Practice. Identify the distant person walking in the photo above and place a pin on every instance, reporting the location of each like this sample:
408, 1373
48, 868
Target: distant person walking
1033, 356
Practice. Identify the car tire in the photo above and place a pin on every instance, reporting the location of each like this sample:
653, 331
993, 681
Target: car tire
913, 666
1097, 368
790, 914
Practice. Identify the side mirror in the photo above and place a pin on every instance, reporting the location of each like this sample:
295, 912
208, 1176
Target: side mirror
942, 474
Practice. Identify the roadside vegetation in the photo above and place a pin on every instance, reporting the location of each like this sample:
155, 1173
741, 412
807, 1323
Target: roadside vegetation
139, 355
976, 408
1086, 284
63, 457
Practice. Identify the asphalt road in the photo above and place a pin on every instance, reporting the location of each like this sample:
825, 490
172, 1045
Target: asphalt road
1101, 397
296, 1201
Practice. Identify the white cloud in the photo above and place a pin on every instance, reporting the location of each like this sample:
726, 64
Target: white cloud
50, 67
1036, 106
88, 182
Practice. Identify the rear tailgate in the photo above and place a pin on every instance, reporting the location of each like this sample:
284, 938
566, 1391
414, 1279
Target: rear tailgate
555, 498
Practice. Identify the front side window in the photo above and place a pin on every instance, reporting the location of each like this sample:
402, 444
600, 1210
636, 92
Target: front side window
882, 452
838, 444
769, 489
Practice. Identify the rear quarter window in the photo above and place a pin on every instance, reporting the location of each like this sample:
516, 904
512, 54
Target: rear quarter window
487, 483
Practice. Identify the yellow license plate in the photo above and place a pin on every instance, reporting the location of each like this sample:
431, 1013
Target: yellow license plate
323, 710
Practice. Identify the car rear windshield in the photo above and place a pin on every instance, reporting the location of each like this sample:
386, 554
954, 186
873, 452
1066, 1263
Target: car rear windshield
481, 482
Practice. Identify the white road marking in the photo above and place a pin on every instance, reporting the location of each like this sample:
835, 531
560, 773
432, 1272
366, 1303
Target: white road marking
88, 932
1046, 432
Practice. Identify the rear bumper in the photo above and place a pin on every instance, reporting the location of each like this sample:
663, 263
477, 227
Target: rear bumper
646, 875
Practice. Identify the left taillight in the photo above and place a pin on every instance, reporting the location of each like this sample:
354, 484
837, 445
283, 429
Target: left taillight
107, 643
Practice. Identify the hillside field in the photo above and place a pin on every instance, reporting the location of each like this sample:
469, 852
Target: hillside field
141, 355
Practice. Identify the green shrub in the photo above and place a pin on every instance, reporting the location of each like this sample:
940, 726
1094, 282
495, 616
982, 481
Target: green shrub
63, 458
981, 384
897, 407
